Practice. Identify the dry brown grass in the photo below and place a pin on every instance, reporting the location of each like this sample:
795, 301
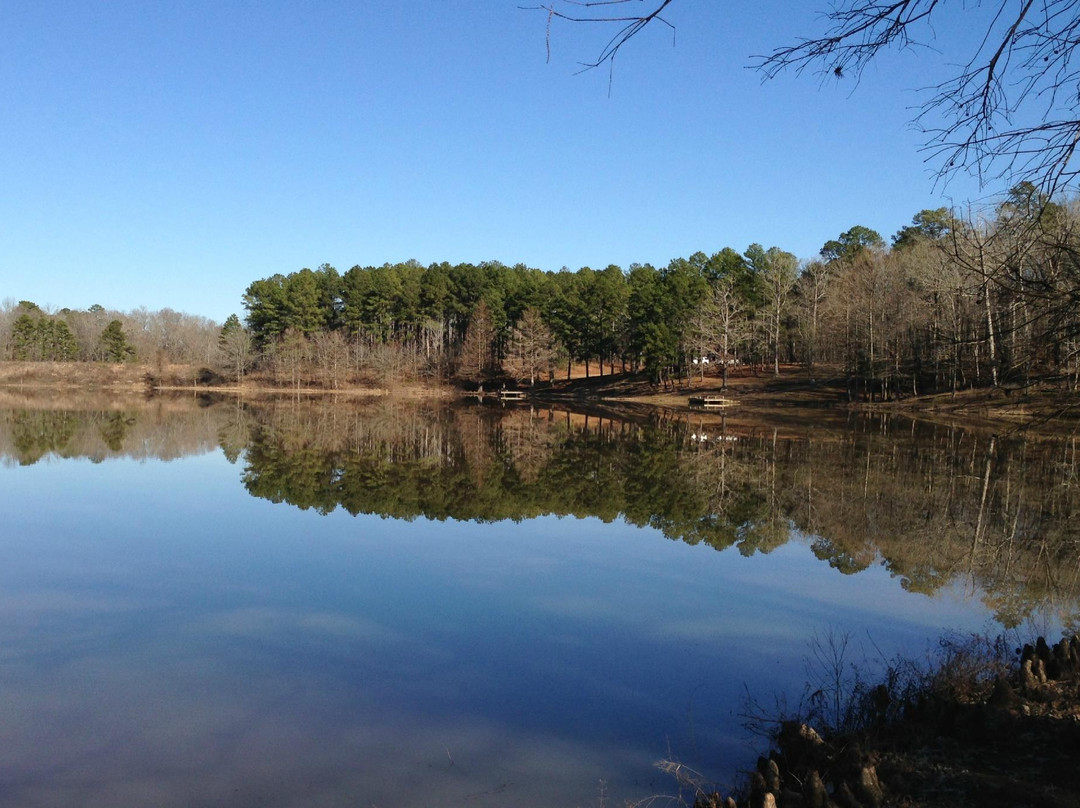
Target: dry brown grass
83, 375
66, 377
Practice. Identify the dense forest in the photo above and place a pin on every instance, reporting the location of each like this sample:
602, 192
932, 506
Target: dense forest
953, 302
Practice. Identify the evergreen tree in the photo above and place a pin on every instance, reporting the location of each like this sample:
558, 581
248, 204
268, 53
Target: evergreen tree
60, 344
41, 338
24, 343
114, 343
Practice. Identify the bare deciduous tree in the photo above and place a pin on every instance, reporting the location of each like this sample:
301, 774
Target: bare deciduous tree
778, 271
1009, 110
721, 324
289, 357
596, 11
813, 289
477, 350
236, 347
331, 350
532, 346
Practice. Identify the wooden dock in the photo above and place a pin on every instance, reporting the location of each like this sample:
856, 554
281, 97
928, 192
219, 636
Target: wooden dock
500, 395
712, 402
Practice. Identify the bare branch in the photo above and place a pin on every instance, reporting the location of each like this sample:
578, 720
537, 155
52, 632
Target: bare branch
1013, 110
629, 25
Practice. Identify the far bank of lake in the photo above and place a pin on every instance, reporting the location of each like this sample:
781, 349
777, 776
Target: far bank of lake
1042, 405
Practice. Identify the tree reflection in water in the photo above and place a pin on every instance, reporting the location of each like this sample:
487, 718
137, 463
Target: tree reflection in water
935, 504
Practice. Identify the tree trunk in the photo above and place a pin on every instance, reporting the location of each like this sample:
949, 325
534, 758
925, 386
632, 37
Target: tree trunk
990, 333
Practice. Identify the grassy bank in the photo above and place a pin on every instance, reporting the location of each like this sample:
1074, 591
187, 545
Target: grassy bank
983, 724
786, 395
140, 378
74, 375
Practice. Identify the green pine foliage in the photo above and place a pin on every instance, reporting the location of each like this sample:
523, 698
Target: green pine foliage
989, 301
114, 343
38, 337
595, 315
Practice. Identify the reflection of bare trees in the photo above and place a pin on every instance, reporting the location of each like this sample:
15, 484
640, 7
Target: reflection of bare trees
937, 505
944, 504
527, 438
718, 466
133, 428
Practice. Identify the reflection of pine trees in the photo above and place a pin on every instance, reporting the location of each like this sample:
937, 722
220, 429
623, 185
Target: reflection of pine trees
115, 428
35, 434
936, 505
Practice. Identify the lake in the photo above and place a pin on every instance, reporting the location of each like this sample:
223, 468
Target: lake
400, 603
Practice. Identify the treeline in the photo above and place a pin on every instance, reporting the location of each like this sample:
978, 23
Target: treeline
954, 302
476, 321
97, 334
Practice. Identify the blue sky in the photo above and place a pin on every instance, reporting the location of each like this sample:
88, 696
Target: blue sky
166, 154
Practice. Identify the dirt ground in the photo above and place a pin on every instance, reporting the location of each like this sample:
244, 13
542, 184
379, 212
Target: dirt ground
790, 395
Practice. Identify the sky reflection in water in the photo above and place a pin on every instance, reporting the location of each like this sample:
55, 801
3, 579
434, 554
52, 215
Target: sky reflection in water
168, 639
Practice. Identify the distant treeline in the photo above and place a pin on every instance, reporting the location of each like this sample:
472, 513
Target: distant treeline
29, 333
955, 302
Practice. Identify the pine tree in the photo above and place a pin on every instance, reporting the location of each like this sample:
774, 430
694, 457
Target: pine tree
114, 344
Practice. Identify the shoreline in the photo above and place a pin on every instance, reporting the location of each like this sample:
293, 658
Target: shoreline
786, 396
984, 724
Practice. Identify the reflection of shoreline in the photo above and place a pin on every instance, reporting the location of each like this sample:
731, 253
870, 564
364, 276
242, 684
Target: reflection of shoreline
934, 504
101, 426
73, 400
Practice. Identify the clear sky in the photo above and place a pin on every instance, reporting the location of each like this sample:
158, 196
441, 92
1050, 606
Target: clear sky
167, 153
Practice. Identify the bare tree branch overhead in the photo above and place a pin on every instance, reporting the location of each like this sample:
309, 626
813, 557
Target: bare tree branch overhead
1009, 111
597, 11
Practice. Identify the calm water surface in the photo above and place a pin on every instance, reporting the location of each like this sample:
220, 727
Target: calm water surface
404, 605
